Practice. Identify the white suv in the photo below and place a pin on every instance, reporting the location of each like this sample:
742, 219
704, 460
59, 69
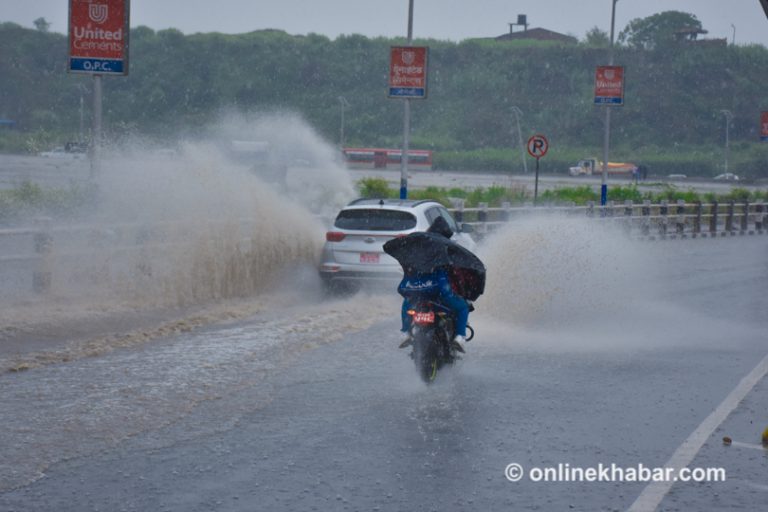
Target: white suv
353, 253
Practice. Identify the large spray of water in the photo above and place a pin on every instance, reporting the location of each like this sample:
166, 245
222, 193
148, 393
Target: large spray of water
579, 284
220, 216
557, 269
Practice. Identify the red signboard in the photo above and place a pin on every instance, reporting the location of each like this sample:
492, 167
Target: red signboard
98, 36
764, 127
609, 85
538, 145
408, 72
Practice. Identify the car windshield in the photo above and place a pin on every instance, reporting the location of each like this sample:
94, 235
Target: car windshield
375, 219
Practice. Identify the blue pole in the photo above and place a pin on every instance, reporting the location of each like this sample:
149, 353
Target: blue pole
406, 120
607, 135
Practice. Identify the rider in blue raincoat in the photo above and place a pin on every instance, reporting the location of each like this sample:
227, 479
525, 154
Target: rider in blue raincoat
435, 285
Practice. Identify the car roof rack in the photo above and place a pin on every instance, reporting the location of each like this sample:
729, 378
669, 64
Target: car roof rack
382, 201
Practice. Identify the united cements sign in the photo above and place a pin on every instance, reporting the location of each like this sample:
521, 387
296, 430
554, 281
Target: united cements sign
408, 72
98, 36
609, 85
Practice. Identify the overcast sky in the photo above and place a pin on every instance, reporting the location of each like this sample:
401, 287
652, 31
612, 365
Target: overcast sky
441, 19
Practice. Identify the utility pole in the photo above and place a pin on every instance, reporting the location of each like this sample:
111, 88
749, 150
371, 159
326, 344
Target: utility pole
96, 135
81, 134
518, 114
406, 120
607, 134
344, 104
728, 118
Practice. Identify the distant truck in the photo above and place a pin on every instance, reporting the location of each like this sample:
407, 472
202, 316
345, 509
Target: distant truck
593, 167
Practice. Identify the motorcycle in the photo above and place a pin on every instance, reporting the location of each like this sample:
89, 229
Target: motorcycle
432, 332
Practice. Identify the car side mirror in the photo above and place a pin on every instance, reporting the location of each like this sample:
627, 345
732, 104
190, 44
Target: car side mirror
467, 228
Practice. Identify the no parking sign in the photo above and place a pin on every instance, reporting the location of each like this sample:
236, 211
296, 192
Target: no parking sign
538, 145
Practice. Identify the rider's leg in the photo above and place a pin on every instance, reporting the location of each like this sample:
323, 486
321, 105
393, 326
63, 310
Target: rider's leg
405, 330
461, 308
405, 317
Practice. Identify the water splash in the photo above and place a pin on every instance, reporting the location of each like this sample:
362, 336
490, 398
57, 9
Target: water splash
569, 284
204, 222
559, 270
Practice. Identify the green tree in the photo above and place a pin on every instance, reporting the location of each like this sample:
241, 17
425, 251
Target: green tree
179, 83
597, 38
657, 30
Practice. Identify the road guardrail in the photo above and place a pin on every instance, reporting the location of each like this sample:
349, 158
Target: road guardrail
652, 220
28, 256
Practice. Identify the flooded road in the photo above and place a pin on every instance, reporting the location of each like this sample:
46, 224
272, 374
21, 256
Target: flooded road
312, 407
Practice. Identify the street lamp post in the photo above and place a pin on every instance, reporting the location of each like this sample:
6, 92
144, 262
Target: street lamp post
728, 118
82, 89
96, 135
344, 104
406, 120
607, 134
518, 114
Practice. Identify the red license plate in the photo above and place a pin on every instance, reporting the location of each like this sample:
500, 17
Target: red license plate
369, 257
427, 317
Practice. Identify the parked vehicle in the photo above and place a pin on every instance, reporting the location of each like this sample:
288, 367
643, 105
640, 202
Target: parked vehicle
61, 152
382, 158
353, 253
728, 176
592, 166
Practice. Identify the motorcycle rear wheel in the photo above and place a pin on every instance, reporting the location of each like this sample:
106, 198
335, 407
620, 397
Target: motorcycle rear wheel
426, 358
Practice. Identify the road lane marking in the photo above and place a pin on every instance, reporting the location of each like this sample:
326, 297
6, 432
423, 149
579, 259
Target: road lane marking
655, 492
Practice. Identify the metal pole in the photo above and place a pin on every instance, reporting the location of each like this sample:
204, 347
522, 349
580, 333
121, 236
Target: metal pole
344, 103
410, 21
728, 118
606, 144
607, 135
536, 185
96, 135
518, 113
81, 135
727, 140
406, 120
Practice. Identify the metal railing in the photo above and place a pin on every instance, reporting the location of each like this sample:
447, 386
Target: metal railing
27, 255
664, 219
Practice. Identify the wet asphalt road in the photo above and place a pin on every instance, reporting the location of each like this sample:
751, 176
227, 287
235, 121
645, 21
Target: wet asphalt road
262, 415
55, 172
